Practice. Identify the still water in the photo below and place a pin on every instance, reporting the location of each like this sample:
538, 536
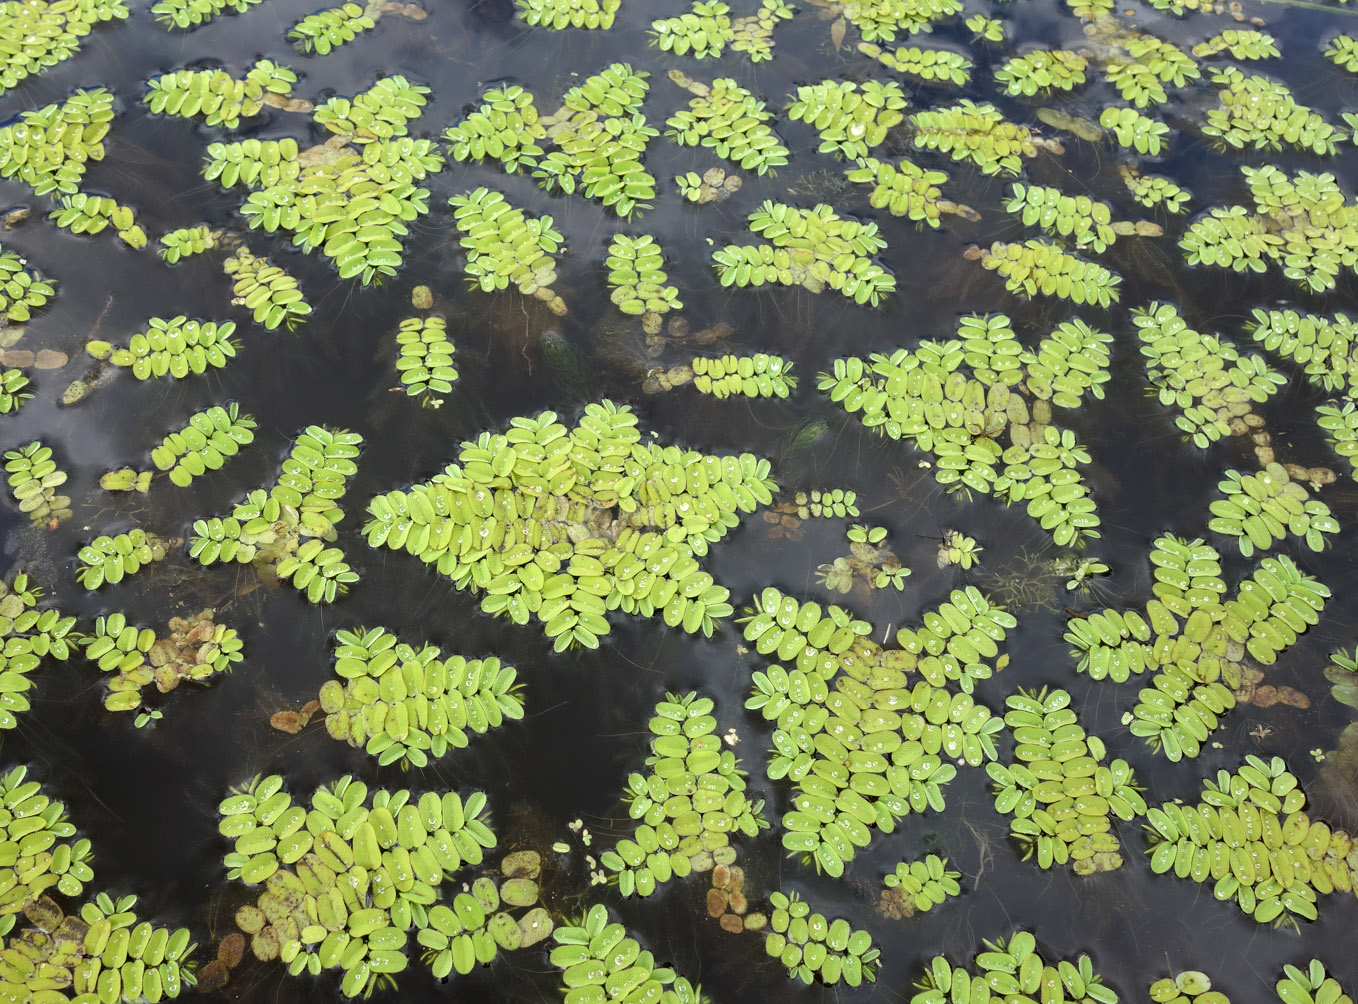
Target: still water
147, 797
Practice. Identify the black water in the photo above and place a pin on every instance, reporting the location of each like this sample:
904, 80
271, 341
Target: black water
147, 798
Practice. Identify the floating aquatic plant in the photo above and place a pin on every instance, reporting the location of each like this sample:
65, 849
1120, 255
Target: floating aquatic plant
1340, 424
49, 148
1135, 131
1313, 983
850, 118
187, 241
1325, 347
883, 20
1188, 987
38, 34
599, 137
253, 162
382, 112
1261, 113
1144, 64
753, 33
704, 30
425, 360
41, 855
1059, 792
1204, 376
82, 213
637, 277
1342, 51
310, 914
905, 189
759, 375
221, 98
271, 294
1042, 70
1302, 223
325, 29
620, 526
929, 65
956, 548
1342, 672
813, 947
288, 525
925, 397
505, 246
29, 635
1152, 190
1038, 266
729, 120
561, 14
1086, 222
1241, 43
860, 747
13, 391
480, 923
1252, 839
713, 185
1262, 508
211, 438
975, 132
175, 347
687, 806
597, 952
869, 563
985, 29
833, 504
406, 706
111, 559
813, 248
918, 886
506, 127
1013, 969
22, 290
195, 648
33, 478
191, 13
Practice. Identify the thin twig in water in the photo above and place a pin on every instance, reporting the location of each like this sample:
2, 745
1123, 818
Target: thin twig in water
984, 847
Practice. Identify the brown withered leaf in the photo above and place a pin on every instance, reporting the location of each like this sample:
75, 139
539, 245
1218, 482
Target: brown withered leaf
293, 722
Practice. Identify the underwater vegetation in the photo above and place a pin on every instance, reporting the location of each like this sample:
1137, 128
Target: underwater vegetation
597, 952
1009, 969
1059, 792
29, 636
619, 526
288, 525
813, 248
348, 873
813, 947
33, 478
172, 347
37, 34
405, 706
1196, 664
687, 805
1251, 838
195, 648
924, 396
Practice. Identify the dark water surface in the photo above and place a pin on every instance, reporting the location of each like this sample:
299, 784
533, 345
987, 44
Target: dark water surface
147, 798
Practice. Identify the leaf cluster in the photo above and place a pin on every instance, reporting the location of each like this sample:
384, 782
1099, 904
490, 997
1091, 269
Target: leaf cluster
1087, 222
177, 347
89, 214
1135, 131
1014, 969
1151, 190
47, 857
1261, 508
49, 148
903, 189
930, 65
324, 30
850, 118
704, 30
1259, 113
215, 94
211, 438
379, 113
506, 127
111, 559
599, 950
753, 35
1042, 70
479, 924
731, 121
263, 288
506, 246
562, 14
759, 375
191, 13
883, 20
975, 132
29, 635
33, 478
187, 241
637, 277
1145, 65
1241, 43
38, 34
813, 947
1038, 266
425, 359
924, 883
13, 391
195, 649
22, 290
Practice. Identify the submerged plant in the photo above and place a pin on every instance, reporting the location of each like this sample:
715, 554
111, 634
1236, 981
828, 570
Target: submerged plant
187, 241
22, 290
195, 648
918, 886
506, 127
1204, 376
175, 347
221, 98
607, 534
729, 120
33, 478
760, 375
265, 289
929, 65
191, 13
309, 915
425, 359
1261, 113
975, 132
406, 706
1042, 70
812, 947
637, 277
1059, 792
1251, 838
326, 29
49, 148
1010, 969
212, 437
597, 952
29, 635
599, 137
505, 246
813, 248
111, 559
561, 14
850, 118
687, 806
288, 525
1038, 266
37, 34
1262, 508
